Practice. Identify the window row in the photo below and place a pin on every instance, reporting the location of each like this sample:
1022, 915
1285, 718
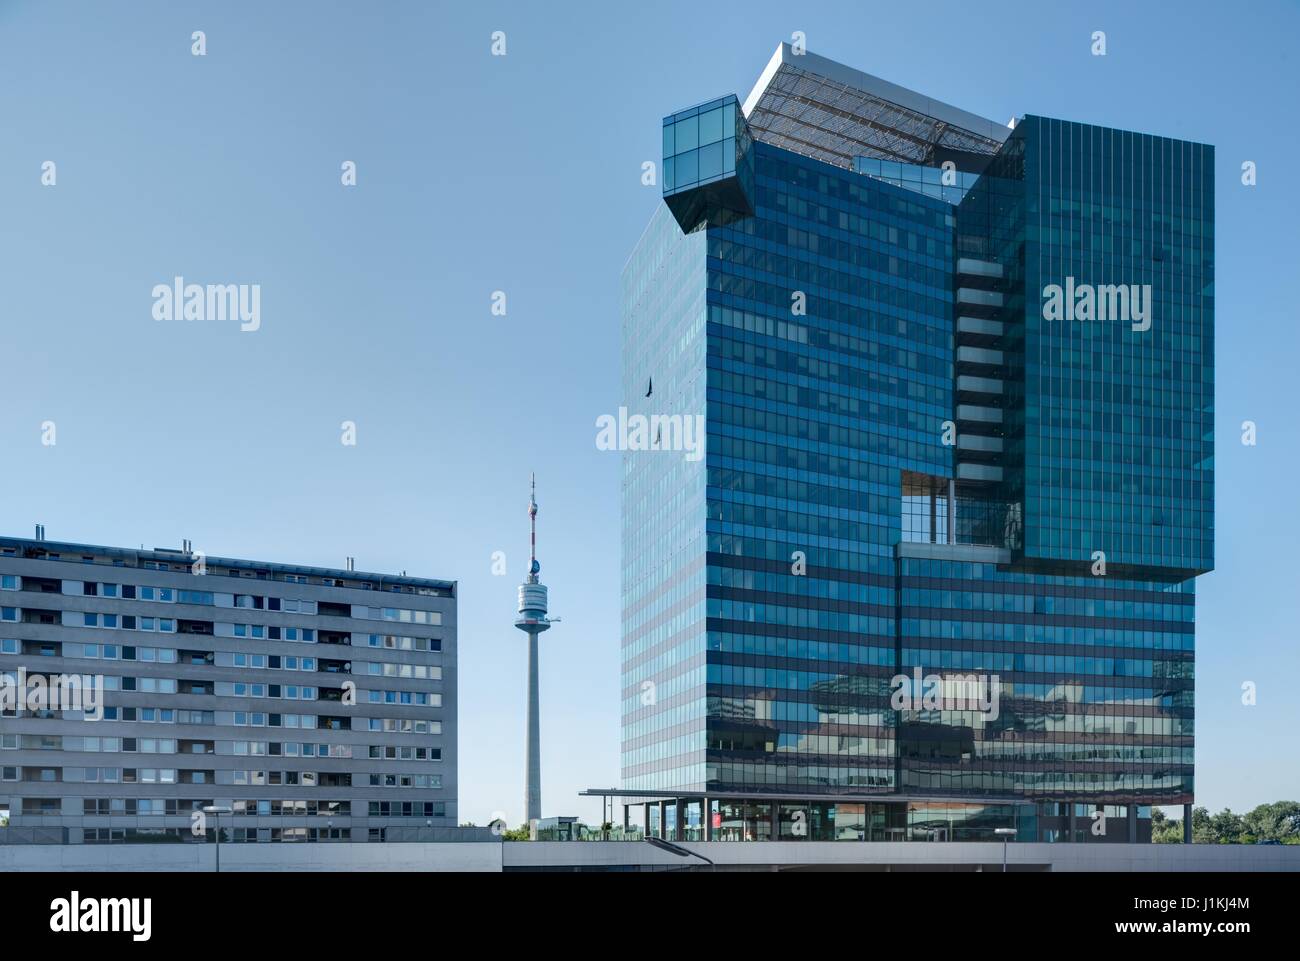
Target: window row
407, 809
124, 622
421, 698
273, 662
396, 642
430, 672
257, 602
275, 778
288, 692
391, 752
403, 614
263, 719
109, 807
269, 632
288, 749
124, 745
404, 725
406, 780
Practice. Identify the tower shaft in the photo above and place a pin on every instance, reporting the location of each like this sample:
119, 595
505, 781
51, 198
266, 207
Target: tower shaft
533, 761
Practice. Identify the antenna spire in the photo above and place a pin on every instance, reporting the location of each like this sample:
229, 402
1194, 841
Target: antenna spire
533, 567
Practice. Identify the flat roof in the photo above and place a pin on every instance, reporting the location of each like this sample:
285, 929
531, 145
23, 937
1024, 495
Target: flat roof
823, 109
175, 556
861, 797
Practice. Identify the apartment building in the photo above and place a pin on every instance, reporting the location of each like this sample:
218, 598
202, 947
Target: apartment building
314, 704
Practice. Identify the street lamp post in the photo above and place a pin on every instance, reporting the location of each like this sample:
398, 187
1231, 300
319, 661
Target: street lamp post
681, 852
1006, 834
216, 812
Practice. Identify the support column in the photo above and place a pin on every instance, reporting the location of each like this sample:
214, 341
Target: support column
934, 535
646, 813
776, 821
663, 819
626, 820
1132, 823
1071, 821
706, 814
1187, 824
679, 829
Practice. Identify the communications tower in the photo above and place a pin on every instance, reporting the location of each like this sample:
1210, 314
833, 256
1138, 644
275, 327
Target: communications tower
532, 620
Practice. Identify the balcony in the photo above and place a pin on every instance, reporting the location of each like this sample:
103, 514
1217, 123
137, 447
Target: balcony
979, 357
986, 386
981, 269
976, 300
979, 444
978, 414
979, 472
975, 327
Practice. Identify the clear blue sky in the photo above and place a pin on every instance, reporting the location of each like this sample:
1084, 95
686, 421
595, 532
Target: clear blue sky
479, 173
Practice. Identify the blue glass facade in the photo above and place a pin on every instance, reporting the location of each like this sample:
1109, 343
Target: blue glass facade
812, 417
663, 497
908, 471
1095, 678
1118, 446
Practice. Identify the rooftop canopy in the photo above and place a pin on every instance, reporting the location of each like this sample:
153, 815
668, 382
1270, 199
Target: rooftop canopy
822, 109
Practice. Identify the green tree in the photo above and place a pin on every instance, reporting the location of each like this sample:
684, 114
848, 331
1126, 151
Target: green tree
521, 833
1202, 827
1279, 821
1164, 830
1225, 826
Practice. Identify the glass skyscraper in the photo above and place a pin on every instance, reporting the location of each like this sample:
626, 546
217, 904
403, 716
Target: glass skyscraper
933, 574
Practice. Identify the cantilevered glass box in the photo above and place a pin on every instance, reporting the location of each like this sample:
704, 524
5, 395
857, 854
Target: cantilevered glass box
708, 167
